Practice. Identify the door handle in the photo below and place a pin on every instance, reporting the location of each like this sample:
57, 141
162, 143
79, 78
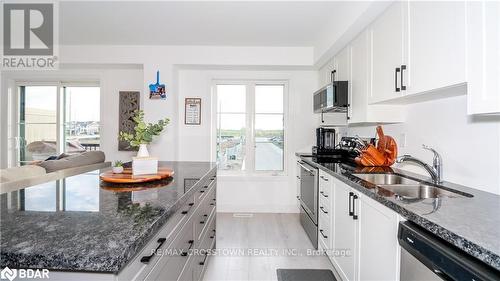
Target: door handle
396, 88
354, 215
403, 87
351, 213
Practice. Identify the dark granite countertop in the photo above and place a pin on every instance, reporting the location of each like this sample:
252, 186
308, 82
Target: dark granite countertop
81, 224
470, 223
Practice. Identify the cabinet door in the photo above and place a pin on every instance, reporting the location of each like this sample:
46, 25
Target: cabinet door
360, 78
343, 65
483, 57
378, 242
388, 51
436, 45
344, 232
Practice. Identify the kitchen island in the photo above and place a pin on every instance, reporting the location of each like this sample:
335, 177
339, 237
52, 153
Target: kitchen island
80, 227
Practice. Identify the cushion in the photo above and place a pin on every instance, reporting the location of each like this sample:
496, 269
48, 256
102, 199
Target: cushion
19, 173
77, 160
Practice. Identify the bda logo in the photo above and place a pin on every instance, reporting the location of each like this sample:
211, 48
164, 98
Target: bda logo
8, 273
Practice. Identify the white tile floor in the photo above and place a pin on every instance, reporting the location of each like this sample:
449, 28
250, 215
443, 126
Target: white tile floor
262, 232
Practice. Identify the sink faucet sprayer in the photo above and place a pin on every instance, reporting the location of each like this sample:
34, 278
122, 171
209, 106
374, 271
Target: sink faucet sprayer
437, 166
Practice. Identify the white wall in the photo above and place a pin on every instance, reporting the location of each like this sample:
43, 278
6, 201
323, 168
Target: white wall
249, 193
469, 146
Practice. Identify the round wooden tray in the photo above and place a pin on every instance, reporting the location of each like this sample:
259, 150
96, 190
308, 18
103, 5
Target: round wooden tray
127, 177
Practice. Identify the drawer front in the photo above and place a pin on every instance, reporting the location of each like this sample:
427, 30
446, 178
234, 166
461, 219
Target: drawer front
173, 260
207, 185
207, 243
325, 184
141, 266
205, 210
324, 208
324, 232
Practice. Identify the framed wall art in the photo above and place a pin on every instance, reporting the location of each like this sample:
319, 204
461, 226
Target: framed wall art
192, 111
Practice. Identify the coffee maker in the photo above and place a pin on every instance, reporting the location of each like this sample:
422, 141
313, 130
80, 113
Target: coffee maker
327, 139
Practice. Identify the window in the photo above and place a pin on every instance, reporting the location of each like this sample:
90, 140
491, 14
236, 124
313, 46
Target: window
54, 118
250, 127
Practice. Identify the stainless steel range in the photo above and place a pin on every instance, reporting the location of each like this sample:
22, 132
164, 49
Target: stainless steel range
308, 177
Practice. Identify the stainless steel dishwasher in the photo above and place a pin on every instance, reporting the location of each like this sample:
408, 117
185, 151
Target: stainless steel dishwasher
426, 257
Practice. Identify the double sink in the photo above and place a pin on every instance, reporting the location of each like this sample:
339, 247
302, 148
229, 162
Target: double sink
406, 188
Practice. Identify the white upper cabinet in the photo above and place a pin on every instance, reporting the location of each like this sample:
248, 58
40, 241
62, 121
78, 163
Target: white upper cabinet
360, 78
342, 65
360, 111
436, 41
388, 52
483, 57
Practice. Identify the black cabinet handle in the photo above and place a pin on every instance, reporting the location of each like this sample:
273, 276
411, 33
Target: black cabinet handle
403, 87
396, 88
323, 210
187, 211
332, 75
204, 259
351, 213
202, 191
191, 243
354, 215
322, 234
146, 259
323, 193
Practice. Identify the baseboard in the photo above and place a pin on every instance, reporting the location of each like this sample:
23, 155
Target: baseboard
229, 208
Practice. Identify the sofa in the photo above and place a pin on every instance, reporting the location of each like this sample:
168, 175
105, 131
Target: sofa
64, 165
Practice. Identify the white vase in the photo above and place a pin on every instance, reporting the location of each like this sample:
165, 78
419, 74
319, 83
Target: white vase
118, 170
143, 150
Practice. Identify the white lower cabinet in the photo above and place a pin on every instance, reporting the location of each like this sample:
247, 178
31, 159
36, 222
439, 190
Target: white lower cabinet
345, 231
364, 239
378, 246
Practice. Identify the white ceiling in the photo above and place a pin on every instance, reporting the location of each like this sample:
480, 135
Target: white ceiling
255, 23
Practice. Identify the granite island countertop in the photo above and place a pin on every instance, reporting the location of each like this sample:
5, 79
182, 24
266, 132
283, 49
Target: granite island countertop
82, 224
470, 223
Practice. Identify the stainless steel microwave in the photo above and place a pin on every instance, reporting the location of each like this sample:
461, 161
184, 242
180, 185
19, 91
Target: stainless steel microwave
332, 98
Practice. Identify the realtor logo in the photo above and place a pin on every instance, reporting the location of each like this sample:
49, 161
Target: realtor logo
8, 273
28, 29
29, 36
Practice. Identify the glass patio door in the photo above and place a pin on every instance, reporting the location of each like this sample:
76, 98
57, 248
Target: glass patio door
57, 118
37, 135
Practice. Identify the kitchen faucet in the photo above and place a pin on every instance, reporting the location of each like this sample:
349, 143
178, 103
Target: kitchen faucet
437, 166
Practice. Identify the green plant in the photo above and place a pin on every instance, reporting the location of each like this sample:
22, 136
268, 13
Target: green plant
143, 132
118, 163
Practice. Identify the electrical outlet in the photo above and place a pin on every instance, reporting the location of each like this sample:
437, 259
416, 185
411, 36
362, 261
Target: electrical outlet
402, 140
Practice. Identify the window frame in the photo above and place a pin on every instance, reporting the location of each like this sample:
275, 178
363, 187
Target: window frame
250, 112
60, 109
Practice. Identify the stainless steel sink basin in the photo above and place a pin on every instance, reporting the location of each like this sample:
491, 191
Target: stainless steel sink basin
386, 179
421, 191
406, 188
